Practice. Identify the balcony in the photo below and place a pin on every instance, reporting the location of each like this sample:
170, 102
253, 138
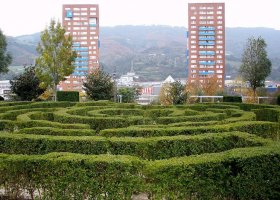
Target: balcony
205, 73
80, 48
207, 62
206, 53
206, 38
81, 69
81, 64
81, 59
210, 43
84, 53
206, 33
204, 28
76, 44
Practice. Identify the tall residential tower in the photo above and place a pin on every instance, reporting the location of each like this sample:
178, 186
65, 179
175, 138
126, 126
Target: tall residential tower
81, 21
206, 42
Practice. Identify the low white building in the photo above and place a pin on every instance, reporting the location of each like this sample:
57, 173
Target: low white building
5, 89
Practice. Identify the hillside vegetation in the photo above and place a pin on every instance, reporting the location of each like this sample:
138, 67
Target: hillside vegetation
156, 51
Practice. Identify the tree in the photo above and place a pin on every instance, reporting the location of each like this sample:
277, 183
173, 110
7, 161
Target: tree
173, 93
211, 86
5, 58
56, 57
99, 86
255, 65
26, 86
129, 95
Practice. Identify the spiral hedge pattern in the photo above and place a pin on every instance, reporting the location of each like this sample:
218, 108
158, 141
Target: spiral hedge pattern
103, 150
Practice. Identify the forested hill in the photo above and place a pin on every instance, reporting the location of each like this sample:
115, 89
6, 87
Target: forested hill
156, 51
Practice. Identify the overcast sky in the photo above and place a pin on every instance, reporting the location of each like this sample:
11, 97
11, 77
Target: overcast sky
20, 17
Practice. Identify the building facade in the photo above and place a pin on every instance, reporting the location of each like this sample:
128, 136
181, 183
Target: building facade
81, 21
206, 42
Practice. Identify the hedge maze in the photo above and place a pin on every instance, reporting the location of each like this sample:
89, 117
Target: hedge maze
102, 150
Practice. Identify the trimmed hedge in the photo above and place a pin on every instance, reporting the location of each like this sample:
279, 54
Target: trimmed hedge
71, 176
146, 148
263, 129
72, 96
247, 173
236, 99
268, 114
57, 131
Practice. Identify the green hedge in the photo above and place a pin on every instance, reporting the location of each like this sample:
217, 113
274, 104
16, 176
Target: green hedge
11, 126
246, 173
249, 173
72, 96
236, 99
278, 100
98, 123
268, 114
57, 131
146, 148
263, 129
63, 176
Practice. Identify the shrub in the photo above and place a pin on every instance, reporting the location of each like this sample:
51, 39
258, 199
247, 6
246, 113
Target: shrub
2, 98
236, 99
72, 96
268, 114
248, 173
71, 176
145, 148
278, 100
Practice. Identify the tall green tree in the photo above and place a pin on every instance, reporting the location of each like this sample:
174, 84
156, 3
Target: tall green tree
173, 93
56, 57
129, 94
5, 58
99, 86
27, 85
255, 65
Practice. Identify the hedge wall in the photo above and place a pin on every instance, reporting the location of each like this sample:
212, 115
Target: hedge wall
146, 148
72, 96
246, 173
91, 177
236, 99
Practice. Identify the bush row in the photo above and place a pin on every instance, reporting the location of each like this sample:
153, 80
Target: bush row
57, 131
11, 126
63, 176
268, 114
72, 96
246, 173
260, 128
236, 99
249, 173
98, 123
146, 148
45, 104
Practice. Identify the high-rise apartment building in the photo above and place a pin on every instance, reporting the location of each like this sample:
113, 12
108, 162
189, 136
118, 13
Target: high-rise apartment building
206, 42
81, 21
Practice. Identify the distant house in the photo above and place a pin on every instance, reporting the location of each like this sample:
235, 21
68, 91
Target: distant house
5, 89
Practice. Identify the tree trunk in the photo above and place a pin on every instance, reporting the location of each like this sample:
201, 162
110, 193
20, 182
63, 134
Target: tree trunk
255, 92
54, 92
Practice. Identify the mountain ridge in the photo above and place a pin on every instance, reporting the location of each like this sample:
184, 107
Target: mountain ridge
156, 51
